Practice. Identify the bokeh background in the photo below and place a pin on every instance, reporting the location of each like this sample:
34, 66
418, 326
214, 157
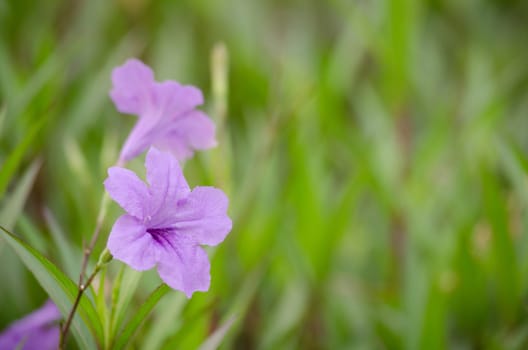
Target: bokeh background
375, 155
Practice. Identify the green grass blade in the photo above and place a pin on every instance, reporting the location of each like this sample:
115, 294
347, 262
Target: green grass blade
3, 113
102, 308
14, 204
66, 250
125, 286
12, 162
167, 321
140, 316
60, 288
215, 339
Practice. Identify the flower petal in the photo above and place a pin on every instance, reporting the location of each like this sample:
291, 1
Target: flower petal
186, 268
167, 185
171, 102
38, 330
194, 131
45, 338
171, 99
128, 191
203, 216
142, 136
131, 243
132, 85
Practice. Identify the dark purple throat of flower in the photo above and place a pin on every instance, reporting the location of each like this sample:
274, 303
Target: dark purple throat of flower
161, 236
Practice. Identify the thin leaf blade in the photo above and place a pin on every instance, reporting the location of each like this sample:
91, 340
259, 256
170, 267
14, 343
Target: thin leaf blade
140, 316
60, 288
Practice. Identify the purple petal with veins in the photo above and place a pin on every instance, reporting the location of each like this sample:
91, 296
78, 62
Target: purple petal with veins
166, 222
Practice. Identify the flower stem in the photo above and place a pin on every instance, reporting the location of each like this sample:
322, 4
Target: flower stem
221, 157
99, 223
82, 285
103, 260
97, 230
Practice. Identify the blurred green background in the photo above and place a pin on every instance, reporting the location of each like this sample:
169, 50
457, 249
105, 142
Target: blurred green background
374, 152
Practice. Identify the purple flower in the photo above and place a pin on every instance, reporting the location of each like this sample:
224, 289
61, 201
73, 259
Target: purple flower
37, 331
166, 222
167, 115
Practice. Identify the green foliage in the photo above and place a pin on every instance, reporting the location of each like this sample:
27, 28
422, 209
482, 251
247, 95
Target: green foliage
131, 327
60, 288
374, 152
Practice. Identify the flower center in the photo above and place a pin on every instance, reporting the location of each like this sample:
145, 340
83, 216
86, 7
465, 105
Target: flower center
161, 236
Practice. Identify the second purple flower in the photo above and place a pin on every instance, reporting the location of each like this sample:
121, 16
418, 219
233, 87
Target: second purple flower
168, 118
37, 331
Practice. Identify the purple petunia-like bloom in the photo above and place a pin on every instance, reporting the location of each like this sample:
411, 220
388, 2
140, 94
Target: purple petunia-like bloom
166, 222
166, 110
39, 330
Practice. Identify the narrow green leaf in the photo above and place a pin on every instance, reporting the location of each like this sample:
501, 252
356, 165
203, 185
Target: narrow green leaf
12, 162
102, 308
505, 263
35, 84
166, 323
3, 112
13, 205
9, 84
124, 288
10, 213
115, 298
140, 316
433, 330
31, 233
286, 315
215, 339
65, 249
60, 288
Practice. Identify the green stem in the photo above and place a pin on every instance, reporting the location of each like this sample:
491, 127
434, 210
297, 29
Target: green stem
104, 258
